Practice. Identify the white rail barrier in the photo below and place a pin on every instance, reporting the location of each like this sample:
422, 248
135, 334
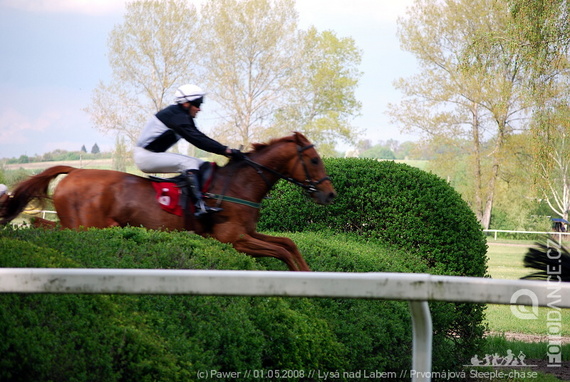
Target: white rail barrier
553, 233
44, 213
418, 289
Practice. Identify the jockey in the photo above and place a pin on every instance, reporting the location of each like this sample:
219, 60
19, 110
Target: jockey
168, 126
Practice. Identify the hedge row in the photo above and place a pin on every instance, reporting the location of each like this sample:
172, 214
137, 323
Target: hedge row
409, 210
400, 205
172, 338
388, 218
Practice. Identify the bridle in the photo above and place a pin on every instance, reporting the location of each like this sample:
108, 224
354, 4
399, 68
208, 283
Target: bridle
308, 184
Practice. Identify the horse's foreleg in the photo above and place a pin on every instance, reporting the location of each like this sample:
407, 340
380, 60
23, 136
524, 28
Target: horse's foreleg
289, 246
282, 248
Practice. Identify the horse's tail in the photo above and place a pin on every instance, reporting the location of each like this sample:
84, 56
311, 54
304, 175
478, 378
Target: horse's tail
552, 261
35, 187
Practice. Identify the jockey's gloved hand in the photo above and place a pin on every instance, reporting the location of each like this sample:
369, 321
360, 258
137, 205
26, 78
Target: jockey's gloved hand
237, 155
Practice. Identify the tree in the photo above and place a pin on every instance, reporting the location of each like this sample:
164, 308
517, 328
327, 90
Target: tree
250, 56
543, 30
471, 85
121, 155
83, 149
249, 59
553, 165
269, 76
321, 101
378, 151
95, 149
151, 52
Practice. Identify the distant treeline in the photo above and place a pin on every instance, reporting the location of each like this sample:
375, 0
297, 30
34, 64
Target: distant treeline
58, 155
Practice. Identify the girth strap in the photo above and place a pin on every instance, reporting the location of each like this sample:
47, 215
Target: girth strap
226, 198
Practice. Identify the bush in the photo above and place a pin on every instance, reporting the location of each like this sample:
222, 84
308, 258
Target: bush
169, 338
401, 205
408, 209
388, 218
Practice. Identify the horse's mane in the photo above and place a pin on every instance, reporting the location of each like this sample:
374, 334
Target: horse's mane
257, 147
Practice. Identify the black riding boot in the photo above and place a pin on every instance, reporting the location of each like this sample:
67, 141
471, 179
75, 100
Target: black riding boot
196, 195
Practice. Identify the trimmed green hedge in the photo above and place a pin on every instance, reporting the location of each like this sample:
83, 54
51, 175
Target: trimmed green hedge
411, 211
400, 205
172, 338
388, 218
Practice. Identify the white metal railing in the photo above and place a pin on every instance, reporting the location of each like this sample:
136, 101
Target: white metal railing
44, 212
495, 231
418, 289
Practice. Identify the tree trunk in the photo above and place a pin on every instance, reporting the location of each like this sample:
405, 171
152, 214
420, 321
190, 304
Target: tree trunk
486, 218
478, 198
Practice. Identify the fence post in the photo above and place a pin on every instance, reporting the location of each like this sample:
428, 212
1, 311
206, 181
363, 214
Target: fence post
422, 341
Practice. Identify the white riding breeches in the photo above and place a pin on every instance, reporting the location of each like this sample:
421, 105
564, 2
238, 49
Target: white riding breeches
151, 162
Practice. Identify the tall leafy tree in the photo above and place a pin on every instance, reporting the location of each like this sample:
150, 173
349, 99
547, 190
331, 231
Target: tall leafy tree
552, 156
470, 86
151, 53
321, 100
543, 30
249, 52
263, 74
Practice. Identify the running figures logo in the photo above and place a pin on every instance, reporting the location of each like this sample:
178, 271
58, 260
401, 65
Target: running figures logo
521, 311
497, 360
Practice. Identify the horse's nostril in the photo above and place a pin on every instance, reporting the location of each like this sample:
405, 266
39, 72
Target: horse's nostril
331, 197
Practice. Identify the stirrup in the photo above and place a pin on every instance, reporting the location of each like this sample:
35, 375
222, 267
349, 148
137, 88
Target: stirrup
203, 209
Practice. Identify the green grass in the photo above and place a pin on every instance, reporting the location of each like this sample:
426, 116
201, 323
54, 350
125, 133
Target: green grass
532, 350
506, 262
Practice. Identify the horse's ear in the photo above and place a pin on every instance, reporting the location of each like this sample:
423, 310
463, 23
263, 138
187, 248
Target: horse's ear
300, 138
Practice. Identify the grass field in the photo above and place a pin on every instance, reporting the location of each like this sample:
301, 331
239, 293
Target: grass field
507, 332
506, 262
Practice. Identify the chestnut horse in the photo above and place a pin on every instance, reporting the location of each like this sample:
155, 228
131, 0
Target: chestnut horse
105, 198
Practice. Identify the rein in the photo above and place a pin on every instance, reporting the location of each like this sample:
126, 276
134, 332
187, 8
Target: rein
308, 185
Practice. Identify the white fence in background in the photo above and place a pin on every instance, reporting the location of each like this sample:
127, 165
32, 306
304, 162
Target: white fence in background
418, 289
44, 213
559, 235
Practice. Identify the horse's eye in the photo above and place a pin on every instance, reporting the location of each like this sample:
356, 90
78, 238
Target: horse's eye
315, 160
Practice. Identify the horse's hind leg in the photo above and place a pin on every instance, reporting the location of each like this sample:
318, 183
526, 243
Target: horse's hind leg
74, 214
282, 248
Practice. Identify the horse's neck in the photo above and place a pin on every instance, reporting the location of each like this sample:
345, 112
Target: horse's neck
255, 182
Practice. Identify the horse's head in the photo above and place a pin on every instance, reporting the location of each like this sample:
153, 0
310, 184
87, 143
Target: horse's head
309, 171
295, 159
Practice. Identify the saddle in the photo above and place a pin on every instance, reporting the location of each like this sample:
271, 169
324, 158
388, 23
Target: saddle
172, 193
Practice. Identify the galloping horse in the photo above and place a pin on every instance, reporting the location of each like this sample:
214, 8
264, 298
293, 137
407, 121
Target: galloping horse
105, 198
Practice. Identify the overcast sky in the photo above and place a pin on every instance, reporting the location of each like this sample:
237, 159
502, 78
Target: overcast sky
54, 53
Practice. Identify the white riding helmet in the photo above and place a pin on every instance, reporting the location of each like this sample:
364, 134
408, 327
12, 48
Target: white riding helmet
189, 93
